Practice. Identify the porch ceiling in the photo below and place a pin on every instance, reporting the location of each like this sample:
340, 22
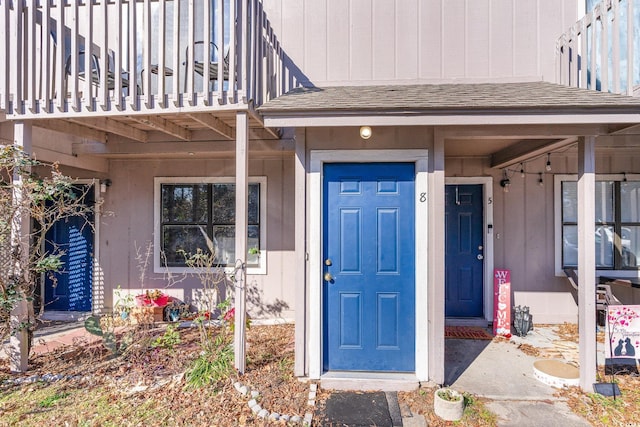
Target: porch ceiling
185, 127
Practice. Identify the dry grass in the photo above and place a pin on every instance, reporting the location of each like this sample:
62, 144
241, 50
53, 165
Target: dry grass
599, 410
146, 387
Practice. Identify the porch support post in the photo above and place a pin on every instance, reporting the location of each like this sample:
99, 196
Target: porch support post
301, 359
586, 261
435, 293
20, 229
242, 191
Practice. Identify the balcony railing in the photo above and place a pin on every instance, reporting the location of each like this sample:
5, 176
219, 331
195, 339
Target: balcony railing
602, 50
127, 57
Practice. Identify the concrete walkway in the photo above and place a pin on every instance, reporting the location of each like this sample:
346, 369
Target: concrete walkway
501, 372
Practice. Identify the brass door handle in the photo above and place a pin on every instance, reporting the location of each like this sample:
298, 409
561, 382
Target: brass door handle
328, 277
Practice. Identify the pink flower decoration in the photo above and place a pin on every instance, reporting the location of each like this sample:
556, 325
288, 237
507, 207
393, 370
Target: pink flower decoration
229, 315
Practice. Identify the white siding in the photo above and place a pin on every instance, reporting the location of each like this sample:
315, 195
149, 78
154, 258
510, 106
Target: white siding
367, 41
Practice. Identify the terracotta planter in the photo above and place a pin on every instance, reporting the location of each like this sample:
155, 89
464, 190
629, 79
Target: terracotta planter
449, 410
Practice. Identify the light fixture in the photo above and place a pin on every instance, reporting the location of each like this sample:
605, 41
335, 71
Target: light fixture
365, 132
540, 180
548, 166
104, 184
505, 182
624, 177
522, 170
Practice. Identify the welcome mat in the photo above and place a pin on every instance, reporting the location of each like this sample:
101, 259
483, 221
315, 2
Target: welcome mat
467, 332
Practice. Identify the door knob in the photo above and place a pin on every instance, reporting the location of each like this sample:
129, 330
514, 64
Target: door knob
328, 262
328, 277
480, 256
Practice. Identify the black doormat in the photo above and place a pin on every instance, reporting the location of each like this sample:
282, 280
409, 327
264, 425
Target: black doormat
356, 409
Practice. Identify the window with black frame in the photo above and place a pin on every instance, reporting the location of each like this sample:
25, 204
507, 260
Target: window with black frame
196, 216
617, 226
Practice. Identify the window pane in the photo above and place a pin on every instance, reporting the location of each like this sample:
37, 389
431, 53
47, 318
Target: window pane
604, 201
184, 203
253, 242
224, 241
604, 246
569, 246
224, 204
630, 238
254, 203
178, 238
630, 200
569, 201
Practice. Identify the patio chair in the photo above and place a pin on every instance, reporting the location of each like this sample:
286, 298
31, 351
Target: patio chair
199, 64
604, 295
95, 71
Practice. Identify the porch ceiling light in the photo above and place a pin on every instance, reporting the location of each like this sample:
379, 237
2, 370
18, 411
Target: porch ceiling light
365, 132
548, 166
505, 182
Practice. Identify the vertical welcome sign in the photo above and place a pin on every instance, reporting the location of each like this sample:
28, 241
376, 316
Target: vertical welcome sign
502, 302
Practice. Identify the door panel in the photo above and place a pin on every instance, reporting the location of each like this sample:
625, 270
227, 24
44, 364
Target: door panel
71, 288
369, 249
464, 246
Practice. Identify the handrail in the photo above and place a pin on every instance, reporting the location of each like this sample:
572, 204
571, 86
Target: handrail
127, 42
598, 51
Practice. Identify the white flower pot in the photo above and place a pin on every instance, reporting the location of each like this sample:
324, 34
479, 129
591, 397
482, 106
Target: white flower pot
449, 410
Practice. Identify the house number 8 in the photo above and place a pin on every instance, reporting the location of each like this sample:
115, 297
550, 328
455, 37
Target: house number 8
423, 197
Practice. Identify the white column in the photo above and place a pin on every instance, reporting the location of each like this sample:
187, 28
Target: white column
242, 191
436, 270
586, 261
301, 251
20, 229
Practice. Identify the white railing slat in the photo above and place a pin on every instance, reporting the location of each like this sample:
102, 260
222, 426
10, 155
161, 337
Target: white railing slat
176, 55
162, 30
615, 38
103, 26
220, 24
87, 94
31, 58
5, 55
133, 59
190, 54
117, 60
233, 46
630, 47
206, 51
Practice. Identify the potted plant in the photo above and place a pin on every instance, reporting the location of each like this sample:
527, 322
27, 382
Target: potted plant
154, 298
448, 404
123, 304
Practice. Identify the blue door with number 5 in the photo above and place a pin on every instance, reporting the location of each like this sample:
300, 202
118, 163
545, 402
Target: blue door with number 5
369, 267
464, 247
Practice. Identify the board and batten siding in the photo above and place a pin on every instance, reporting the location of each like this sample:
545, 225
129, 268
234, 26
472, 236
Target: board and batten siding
129, 222
365, 41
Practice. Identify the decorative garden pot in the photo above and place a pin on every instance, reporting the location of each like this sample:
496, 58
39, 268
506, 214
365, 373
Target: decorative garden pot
448, 404
144, 301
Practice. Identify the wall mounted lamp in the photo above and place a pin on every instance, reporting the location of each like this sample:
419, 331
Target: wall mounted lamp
365, 132
104, 184
505, 182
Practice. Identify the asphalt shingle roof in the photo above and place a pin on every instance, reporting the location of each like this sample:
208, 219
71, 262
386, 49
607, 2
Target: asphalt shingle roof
457, 97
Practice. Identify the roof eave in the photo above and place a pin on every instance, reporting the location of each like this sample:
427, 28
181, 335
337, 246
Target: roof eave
325, 118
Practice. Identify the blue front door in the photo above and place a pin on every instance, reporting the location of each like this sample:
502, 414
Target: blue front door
369, 250
71, 288
464, 246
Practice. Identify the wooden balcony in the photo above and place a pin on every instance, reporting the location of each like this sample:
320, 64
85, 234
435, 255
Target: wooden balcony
131, 60
602, 50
